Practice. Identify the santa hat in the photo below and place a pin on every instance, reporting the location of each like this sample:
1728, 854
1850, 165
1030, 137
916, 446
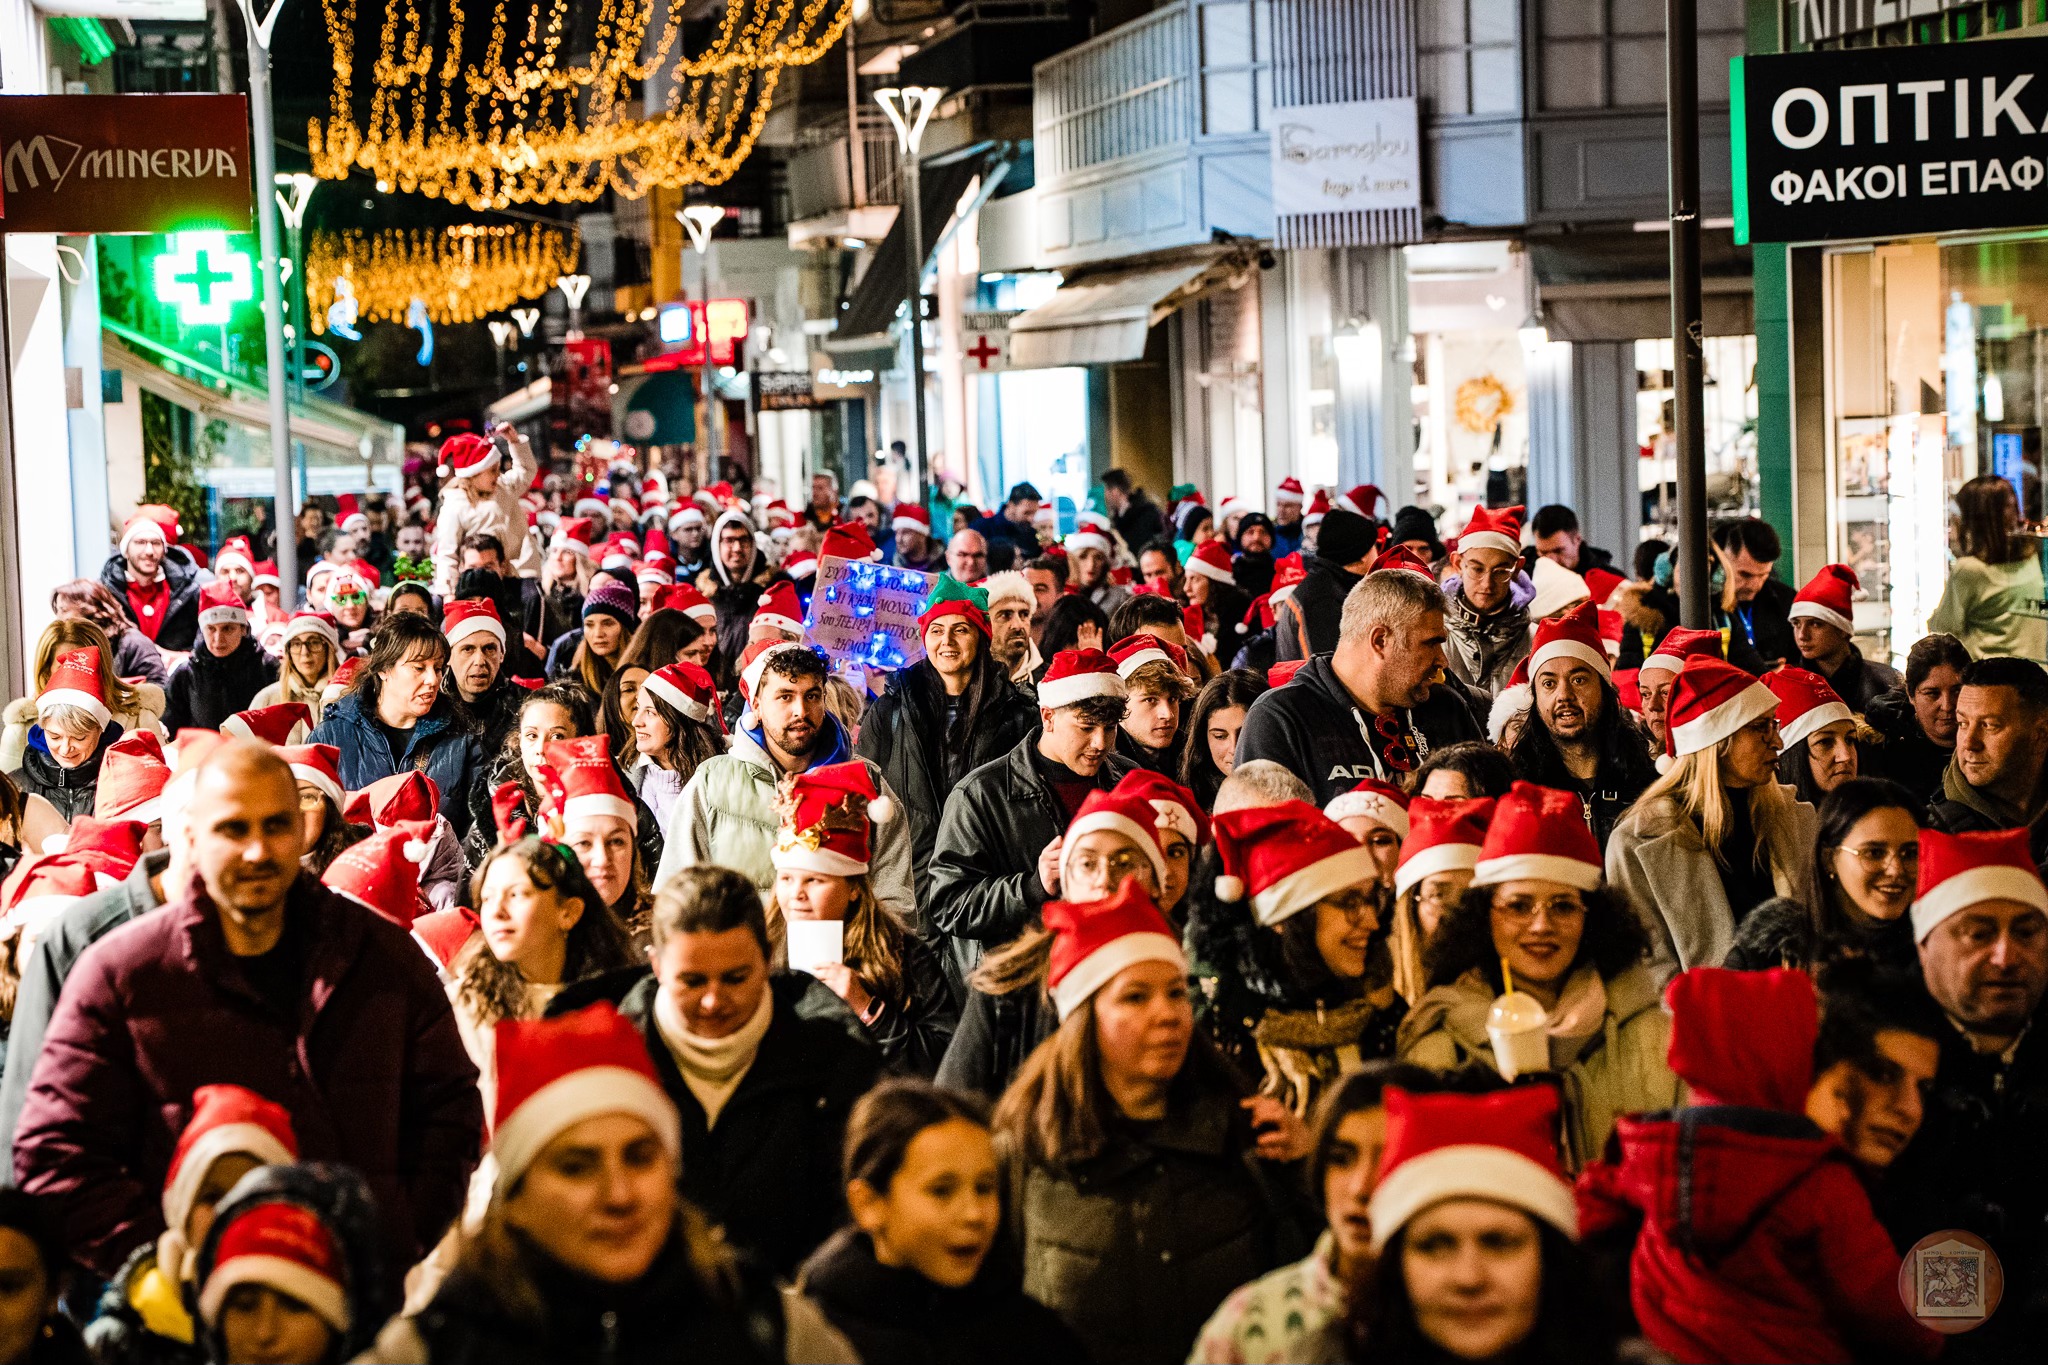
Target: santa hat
781, 517
690, 690
93, 855
317, 623
1287, 857
1232, 506
1401, 559
589, 781
1628, 686
1556, 588
1091, 943
265, 575
1499, 1147
221, 605
285, 1247
1288, 573
154, 515
1081, 540
1362, 499
227, 1120
592, 508
1827, 597
410, 795
1287, 490
133, 774
1710, 702
1510, 702
685, 598
352, 517
320, 766
1375, 800
345, 674
650, 574
849, 540
1443, 836
235, 551
951, 597
1679, 644
1805, 703
75, 681
469, 616
1173, 805
575, 534
756, 658
1133, 652
555, 1073
1281, 674
1076, 675
1089, 519
778, 610
1604, 583
617, 555
1958, 871
1493, 528
443, 934
1612, 628
1117, 812
1211, 560
1318, 508
910, 516
801, 564
286, 723
465, 454
687, 515
1539, 834
1574, 635
828, 814
382, 873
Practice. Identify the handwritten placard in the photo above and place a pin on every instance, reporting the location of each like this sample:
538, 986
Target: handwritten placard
864, 615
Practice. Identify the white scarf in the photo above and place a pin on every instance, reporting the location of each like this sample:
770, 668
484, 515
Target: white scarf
712, 1067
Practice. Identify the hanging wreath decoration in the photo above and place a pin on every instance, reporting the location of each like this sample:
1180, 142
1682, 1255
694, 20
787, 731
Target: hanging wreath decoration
1482, 403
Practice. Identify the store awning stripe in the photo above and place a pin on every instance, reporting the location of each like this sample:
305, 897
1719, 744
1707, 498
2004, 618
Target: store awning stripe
1102, 319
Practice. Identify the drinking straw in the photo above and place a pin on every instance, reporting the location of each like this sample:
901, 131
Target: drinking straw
1507, 974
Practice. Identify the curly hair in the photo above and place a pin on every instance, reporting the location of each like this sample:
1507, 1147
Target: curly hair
1613, 940
596, 944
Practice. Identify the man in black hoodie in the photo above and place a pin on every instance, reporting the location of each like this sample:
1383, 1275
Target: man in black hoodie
1306, 624
1372, 708
225, 672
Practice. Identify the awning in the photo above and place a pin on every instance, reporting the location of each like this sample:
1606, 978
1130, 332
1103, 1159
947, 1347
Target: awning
870, 309
250, 411
1102, 318
522, 403
1616, 286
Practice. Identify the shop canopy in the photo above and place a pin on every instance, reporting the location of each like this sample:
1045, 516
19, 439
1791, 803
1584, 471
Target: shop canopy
870, 309
1102, 318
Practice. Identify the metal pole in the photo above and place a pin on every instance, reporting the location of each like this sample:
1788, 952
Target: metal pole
296, 238
856, 153
13, 647
1688, 360
914, 248
265, 168
710, 369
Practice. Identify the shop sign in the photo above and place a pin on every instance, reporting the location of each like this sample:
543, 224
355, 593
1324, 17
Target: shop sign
1889, 141
782, 390
1348, 157
682, 328
125, 163
864, 615
985, 347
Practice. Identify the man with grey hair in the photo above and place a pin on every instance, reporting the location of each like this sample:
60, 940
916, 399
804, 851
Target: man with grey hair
1261, 782
1373, 708
1011, 604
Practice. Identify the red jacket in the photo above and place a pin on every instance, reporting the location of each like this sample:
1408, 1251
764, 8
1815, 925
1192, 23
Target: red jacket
1758, 1243
373, 1073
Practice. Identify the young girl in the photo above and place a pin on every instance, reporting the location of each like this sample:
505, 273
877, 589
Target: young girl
289, 1273
603, 824
312, 650
676, 726
616, 704
557, 711
479, 500
886, 976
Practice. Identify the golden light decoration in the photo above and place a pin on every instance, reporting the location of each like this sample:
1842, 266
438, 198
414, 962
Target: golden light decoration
528, 128
462, 274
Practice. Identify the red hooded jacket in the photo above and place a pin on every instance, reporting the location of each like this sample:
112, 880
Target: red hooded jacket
1758, 1242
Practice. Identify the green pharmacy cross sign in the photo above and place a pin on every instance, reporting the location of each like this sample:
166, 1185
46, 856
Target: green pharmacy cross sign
203, 277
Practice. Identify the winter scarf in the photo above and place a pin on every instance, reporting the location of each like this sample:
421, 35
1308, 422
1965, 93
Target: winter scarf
2002, 814
712, 1067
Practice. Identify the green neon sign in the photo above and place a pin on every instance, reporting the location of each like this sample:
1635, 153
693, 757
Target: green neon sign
203, 277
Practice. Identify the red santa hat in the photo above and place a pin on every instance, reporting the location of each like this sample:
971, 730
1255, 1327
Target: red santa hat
1493, 528
1612, 628
1233, 505
1117, 812
685, 598
756, 658
227, 1120
467, 616
1318, 508
133, 774
555, 1073
648, 573
345, 674
352, 518
443, 934
1628, 686
1288, 574
316, 623
75, 681
1087, 538
286, 723
1443, 836
1805, 703
1281, 674
690, 690
828, 817
93, 855
801, 564
589, 781
1076, 675
382, 873
780, 517
1093, 942
1375, 800
1174, 805
154, 515
849, 540
1362, 499
1401, 559
591, 507
779, 610
1958, 871
1603, 582
320, 766
617, 555
265, 575
1710, 702
1287, 857
1499, 1147
235, 552
1679, 644
575, 534
1133, 652
1828, 597
1539, 834
410, 795
687, 515
1211, 560
221, 605
1090, 519
1287, 490
465, 454
285, 1247
1574, 635
910, 516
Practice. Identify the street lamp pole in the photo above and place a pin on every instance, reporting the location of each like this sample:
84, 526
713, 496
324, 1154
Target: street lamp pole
1688, 357
265, 155
293, 192
699, 220
909, 109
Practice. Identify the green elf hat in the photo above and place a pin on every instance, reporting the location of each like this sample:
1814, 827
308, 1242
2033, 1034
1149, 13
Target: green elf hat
951, 597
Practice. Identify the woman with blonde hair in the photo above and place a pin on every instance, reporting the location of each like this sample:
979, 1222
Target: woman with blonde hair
311, 653
137, 706
1438, 860
1717, 835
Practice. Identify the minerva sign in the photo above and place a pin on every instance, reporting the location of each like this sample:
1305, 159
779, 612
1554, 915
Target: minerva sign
125, 163
1890, 141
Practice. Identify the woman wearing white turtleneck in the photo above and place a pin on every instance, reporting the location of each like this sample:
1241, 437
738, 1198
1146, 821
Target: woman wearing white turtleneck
713, 1067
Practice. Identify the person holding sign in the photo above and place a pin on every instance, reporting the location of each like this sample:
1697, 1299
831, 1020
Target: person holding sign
834, 928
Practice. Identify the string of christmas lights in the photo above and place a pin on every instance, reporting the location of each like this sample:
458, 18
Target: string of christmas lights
462, 274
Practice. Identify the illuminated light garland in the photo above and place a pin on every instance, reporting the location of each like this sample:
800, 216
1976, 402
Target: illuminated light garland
530, 130
460, 274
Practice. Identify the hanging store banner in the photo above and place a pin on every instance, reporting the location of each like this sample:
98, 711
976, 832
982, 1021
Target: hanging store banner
125, 163
1890, 141
1341, 158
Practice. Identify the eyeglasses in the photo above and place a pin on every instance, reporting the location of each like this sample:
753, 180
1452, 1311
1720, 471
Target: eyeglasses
310, 798
1875, 856
1124, 863
1557, 908
350, 599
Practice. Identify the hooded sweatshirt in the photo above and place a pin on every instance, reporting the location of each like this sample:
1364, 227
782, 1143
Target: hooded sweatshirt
1758, 1242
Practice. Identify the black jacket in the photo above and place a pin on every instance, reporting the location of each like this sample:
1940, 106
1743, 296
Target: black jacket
1779, 933
915, 1036
1165, 762
1764, 625
1316, 608
904, 734
899, 1316
1907, 756
1312, 728
1626, 768
70, 790
983, 888
493, 714
996, 1034
206, 689
1141, 521
181, 619
1859, 680
769, 1172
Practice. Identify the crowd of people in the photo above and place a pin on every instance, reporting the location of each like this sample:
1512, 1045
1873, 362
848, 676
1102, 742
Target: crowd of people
1235, 936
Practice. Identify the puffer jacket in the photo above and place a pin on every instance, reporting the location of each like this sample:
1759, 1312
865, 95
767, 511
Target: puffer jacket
70, 790
1757, 1242
141, 1318
206, 689
1484, 648
20, 717
1615, 1066
180, 630
439, 746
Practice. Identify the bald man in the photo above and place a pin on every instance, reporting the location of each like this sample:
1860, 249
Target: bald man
253, 974
967, 556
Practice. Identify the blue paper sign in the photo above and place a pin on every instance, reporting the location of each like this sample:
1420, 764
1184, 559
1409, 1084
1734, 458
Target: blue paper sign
864, 615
